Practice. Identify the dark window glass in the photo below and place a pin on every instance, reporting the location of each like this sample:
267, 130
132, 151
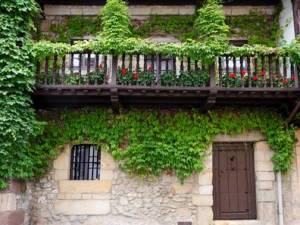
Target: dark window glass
85, 162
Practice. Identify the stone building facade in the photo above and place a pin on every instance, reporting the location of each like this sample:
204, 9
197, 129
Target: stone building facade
119, 199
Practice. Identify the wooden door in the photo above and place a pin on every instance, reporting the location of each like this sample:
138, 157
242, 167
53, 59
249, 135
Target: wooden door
234, 181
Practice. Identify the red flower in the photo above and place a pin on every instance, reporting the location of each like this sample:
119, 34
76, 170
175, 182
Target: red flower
263, 72
243, 73
232, 75
150, 68
135, 75
285, 81
255, 78
123, 71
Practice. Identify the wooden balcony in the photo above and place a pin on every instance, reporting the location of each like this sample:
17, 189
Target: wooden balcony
84, 79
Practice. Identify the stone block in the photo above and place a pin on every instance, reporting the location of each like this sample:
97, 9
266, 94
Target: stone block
106, 174
55, 10
12, 217
205, 178
266, 196
265, 176
264, 166
165, 10
101, 196
187, 10
297, 133
205, 215
94, 186
107, 161
202, 200
251, 136
262, 151
62, 162
136, 10
92, 10
8, 202
182, 188
61, 174
265, 185
82, 207
206, 190
267, 212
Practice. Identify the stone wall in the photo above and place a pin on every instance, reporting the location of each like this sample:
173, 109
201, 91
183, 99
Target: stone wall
118, 199
14, 205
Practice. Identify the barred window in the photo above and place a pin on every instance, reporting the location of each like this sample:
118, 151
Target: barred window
85, 162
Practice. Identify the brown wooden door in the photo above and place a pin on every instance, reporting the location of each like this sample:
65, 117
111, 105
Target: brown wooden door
234, 181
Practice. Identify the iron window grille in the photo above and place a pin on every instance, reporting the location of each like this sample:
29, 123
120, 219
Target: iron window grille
85, 162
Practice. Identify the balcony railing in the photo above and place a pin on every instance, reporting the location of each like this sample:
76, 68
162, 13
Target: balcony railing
89, 69
89, 78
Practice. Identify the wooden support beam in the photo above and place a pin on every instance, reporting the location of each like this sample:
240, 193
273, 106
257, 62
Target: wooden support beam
114, 98
294, 112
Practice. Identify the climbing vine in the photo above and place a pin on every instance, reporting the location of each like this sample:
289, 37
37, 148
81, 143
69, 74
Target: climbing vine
17, 118
148, 143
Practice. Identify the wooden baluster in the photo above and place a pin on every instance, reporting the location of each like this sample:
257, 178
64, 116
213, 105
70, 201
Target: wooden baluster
158, 71
63, 69
220, 70
181, 66
167, 65
196, 66
105, 68
255, 68
54, 69
284, 67
227, 70
114, 70
278, 67
137, 62
174, 65
130, 63
88, 69
293, 77
263, 70
234, 68
145, 63
212, 82
80, 67
270, 70
123, 61
97, 68
242, 70
249, 71
189, 64
72, 64
46, 70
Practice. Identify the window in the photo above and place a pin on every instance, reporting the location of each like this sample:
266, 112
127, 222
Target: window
234, 181
85, 162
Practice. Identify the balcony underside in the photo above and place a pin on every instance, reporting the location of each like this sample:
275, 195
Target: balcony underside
200, 97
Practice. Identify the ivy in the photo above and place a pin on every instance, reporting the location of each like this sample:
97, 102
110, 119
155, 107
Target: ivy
181, 27
210, 23
256, 27
148, 143
17, 118
75, 26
